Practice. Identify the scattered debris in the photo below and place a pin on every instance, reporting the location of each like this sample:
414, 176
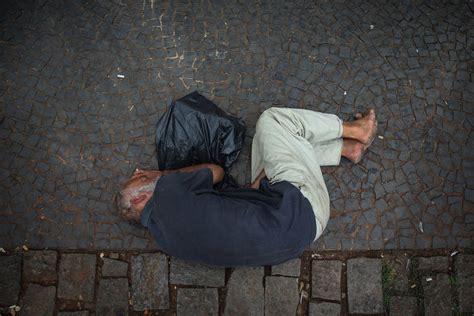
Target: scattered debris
429, 279
372, 26
408, 265
101, 255
25, 248
14, 309
219, 54
120, 76
417, 50
2, 250
114, 255
315, 255
345, 92
420, 226
380, 136
304, 295
454, 253
413, 286
131, 108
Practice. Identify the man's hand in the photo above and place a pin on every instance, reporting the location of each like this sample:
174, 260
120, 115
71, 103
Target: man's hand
256, 182
146, 173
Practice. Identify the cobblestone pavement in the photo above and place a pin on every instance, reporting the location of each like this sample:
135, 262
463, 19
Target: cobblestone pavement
83, 84
47, 282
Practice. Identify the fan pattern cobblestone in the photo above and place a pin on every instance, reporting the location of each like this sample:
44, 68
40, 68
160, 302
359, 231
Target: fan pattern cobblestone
83, 84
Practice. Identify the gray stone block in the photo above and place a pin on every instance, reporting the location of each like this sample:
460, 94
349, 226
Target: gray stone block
149, 277
401, 268
281, 295
38, 300
288, 268
324, 309
114, 268
437, 295
430, 264
10, 277
40, 266
197, 302
326, 279
364, 286
464, 268
112, 297
189, 273
403, 306
245, 294
77, 277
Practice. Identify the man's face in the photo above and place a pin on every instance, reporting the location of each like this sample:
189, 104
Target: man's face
138, 190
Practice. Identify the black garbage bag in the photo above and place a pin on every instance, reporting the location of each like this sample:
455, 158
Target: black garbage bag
194, 130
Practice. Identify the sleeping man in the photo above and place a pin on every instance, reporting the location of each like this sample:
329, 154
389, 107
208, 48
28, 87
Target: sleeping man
284, 210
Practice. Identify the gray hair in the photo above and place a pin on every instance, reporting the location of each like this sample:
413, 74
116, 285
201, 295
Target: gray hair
123, 201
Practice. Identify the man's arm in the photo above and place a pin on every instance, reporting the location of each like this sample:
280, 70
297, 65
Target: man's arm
217, 171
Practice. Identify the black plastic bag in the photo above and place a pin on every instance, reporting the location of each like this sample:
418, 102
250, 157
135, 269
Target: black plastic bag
194, 130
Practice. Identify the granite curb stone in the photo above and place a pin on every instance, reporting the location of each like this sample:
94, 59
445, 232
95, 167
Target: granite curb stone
114, 268
112, 297
198, 302
324, 308
326, 279
364, 286
10, 277
38, 300
433, 264
437, 295
281, 295
187, 273
245, 292
76, 277
403, 306
149, 279
40, 266
289, 268
464, 267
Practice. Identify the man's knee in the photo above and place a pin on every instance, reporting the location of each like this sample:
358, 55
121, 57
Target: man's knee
266, 119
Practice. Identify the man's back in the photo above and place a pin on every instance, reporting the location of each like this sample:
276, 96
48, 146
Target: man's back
192, 221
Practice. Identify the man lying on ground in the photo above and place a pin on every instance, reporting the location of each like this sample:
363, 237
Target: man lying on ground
276, 219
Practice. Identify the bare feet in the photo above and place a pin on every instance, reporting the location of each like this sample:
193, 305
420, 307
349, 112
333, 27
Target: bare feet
353, 150
363, 129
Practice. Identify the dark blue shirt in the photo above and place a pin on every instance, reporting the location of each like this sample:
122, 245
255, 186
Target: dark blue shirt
192, 221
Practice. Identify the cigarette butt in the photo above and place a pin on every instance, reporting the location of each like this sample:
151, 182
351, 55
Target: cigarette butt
380, 136
120, 76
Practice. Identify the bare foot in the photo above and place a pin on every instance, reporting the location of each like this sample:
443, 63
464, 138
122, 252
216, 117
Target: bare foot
363, 129
353, 150
369, 116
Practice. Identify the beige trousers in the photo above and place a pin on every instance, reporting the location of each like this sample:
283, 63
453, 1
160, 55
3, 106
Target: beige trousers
291, 145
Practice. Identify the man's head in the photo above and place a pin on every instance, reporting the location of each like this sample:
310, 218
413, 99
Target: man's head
136, 192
